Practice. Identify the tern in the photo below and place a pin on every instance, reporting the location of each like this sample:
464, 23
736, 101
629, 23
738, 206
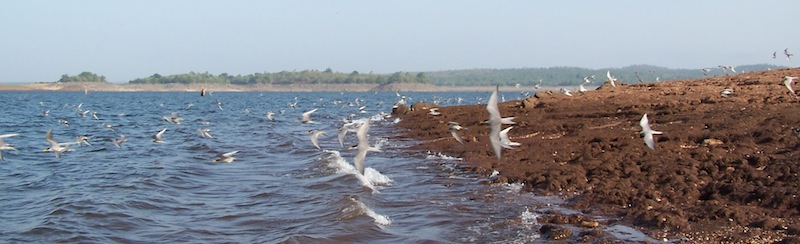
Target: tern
315, 137
118, 142
270, 115
343, 131
84, 139
495, 120
6, 146
648, 133
55, 147
157, 137
204, 132
505, 141
363, 146
225, 157
434, 111
455, 130
611, 79
788, 82
788, 55
173, 118
307, 117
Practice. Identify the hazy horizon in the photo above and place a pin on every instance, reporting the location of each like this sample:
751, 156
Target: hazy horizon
127, 40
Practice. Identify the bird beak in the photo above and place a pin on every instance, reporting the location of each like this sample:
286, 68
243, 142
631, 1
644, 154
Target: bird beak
352, 147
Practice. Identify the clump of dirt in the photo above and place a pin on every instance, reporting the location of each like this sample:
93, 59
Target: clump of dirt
724, 163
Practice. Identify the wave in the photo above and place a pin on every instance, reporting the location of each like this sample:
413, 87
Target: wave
372, 178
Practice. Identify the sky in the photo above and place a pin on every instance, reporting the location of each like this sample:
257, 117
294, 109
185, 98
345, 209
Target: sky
125, 40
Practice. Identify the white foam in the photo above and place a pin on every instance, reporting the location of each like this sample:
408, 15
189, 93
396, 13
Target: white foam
371, 178
528, 217
439, 155
380, 219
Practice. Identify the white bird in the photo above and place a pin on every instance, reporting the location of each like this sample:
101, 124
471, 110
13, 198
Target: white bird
6, 146
225, 157
343, 131
565, 92
434, 111
307, 117
363, 146
55, 147
611, 79
204, 132
270, 115
726, 92
315, 137
118, 142
788, 82
82, 139
505, 141
495, 120
648, 133
582, 89
788, 55
455, 130
109, 127
157, 137
173, 118
219, 104
539, 85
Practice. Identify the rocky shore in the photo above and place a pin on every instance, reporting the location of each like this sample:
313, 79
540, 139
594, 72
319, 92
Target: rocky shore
725, 169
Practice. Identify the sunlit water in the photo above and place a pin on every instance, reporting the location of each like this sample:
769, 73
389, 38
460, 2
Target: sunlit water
280, 189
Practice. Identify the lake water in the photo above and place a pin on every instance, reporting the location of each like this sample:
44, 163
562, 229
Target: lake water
280, 188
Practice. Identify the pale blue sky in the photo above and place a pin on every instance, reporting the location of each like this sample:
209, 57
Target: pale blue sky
41, 40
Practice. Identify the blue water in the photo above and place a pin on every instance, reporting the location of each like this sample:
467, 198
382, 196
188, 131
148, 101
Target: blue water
280, 189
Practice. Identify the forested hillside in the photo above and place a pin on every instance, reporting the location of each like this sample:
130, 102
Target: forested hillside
285, 78
563, 76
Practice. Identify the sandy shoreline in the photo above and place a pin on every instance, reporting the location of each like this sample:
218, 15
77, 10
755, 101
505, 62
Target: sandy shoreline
724, 171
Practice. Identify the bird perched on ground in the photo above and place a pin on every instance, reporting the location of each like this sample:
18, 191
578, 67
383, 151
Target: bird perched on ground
434, 111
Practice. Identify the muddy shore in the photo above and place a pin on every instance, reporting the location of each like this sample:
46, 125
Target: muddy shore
725, 169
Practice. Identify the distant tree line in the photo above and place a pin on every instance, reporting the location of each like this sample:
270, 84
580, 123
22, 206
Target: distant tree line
83, 77
286, 78
570, 76
553, 76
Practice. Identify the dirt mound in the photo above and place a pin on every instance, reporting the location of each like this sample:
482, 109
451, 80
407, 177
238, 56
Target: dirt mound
723, 161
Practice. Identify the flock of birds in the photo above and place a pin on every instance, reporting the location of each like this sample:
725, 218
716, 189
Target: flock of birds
498, 137
359, 126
